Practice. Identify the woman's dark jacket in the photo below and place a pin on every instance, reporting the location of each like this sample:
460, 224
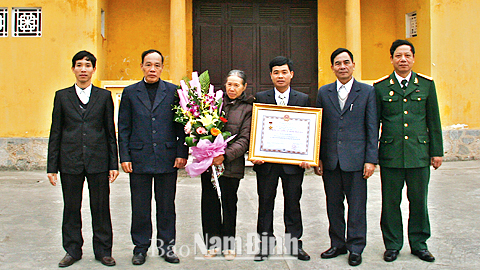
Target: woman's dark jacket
238, 113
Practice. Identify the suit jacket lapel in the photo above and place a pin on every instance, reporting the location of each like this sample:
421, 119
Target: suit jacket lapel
292, 98
351, 96
333, 95
395, 85
160, 95
72, 95
143, 95
271, 97
92, 100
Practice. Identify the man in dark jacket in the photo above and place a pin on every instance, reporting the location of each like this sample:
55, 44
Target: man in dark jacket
281, 73
151, 146
348, 154
83, 144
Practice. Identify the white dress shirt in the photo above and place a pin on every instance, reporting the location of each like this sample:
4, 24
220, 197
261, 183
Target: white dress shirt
83, 94
348, 87
400, 78
285, 95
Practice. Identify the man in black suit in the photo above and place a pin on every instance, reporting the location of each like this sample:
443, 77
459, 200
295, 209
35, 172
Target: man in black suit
348, 154
151, 146
83, 144
281, 73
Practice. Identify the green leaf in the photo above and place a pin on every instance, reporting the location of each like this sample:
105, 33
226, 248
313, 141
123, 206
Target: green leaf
209, 137
189, 141
226, 134
204, 79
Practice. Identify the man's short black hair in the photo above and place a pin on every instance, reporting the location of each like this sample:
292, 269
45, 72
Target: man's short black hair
400, 42
280, 61
339, 51
145, 53
84, 54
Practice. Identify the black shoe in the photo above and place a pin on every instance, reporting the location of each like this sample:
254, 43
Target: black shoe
107, 260
333, 252
67, 261
424, 254
302, 255
390, 255
354, 259
171, 257
259, 257
139, 258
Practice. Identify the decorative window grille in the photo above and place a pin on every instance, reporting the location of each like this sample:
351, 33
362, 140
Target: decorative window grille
411, 24
3, 22
27, 22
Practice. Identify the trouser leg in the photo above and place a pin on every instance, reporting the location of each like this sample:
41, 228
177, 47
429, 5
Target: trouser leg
332, 181
292, 215
99, 191
211, 216
72, 189
141, 197
356, 193
267, 191
229, 188
391, 219
165, 189
418, 223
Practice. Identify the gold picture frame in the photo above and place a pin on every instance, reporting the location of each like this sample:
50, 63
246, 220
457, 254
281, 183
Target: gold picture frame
285, 134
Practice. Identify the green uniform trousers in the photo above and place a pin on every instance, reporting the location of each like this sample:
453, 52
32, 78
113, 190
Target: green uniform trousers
393, 180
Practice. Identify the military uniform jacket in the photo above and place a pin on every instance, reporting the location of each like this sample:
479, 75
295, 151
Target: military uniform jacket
411, 132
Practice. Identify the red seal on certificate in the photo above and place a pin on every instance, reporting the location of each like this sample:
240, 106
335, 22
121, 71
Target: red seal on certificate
286, 117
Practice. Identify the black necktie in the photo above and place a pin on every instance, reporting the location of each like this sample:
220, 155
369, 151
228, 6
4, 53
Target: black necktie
404, 84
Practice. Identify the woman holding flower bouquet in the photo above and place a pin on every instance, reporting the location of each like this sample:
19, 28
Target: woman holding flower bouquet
238, 111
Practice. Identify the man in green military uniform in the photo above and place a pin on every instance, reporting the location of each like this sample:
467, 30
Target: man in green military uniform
411, 141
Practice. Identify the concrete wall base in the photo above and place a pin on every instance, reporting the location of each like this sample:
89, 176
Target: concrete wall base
23, 153
31, 153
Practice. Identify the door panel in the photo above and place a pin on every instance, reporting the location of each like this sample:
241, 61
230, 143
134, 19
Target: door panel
211, 57
243, 40
247, 34
271, 46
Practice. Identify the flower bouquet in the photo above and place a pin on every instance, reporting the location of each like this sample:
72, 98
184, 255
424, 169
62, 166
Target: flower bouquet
200, 111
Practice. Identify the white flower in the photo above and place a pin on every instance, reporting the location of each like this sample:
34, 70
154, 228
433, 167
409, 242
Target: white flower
207, 120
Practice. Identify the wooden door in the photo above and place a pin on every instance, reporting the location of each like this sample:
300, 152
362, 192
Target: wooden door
247, 34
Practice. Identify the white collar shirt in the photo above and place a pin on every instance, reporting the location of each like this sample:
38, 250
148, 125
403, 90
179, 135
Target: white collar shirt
400, 78
348, 85
83, 94
285, 95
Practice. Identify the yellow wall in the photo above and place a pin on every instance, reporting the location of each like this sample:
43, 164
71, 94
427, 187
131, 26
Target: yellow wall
455, 60
378, 33
33, 68
422, 42
189, 23
331, 35
382, 23
101, 42
134, 27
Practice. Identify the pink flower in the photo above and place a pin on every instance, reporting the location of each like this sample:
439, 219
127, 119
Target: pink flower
201, 130
188, 128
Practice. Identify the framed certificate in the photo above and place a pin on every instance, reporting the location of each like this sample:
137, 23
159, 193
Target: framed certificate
285, 134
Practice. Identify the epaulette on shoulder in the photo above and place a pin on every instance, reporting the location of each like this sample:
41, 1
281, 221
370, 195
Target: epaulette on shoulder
425, 76
382, 79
